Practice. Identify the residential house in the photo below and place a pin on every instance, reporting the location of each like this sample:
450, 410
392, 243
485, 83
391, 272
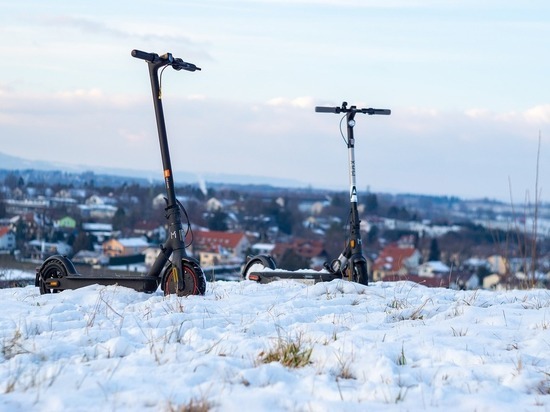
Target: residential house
101, 231
98, 207
498, 264
125, 246
262, 248
396, 259
433, 269
97, 211
491, 281
66, 223
35, 224
90, 257
151, 254
150, 229
101, 200
159, 201
216, 248
214, 205
7, 238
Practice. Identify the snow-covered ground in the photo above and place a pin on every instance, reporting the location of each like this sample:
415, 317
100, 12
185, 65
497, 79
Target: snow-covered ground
389, 346
15, 274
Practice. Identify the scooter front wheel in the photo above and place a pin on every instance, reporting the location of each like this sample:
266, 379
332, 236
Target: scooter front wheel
193, 277
258, 262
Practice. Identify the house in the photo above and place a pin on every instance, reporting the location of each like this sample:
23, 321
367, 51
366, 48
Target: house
97, 211
7, 238
498, 264
100, 231
159, 201
396, 259
67, 223
124, 246
35, 224
216, 247
151, 254
214, 205
150, 229
433, 269
96, 200
491, 281
262, 248
90, 257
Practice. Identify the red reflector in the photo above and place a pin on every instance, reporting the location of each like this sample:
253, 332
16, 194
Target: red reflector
254, 277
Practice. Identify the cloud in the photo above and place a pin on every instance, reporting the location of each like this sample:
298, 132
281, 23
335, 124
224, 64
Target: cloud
119, 31
538, 114
301, 102
81, 94
133, 136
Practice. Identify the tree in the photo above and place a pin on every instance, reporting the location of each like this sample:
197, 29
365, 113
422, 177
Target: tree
283, 216
285, 221
217, 221
338, 200
2, 207
371, 203
372, 235
119, 219
435, 253
83, 241
11, 180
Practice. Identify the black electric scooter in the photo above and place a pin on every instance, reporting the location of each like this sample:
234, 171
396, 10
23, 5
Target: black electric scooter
173, 270
351, 264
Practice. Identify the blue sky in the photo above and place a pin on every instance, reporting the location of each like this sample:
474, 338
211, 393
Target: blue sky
467, 83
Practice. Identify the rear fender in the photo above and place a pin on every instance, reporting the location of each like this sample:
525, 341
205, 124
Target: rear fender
265, 260
64, 260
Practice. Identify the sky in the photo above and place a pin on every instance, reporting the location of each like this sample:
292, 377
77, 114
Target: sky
389, 346
467, 83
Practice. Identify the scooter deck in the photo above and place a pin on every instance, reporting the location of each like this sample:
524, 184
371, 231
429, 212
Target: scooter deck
307, 276
143, 283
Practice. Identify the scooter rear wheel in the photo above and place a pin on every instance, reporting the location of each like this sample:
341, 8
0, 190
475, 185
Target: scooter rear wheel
52, 269
193, 276
360, 273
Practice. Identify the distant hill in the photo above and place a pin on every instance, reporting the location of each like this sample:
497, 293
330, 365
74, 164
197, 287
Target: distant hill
8, 162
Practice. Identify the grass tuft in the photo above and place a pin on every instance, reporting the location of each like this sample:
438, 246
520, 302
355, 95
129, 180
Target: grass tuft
291, 354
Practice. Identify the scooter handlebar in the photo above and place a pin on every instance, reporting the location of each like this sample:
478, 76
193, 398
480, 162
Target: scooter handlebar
138, 54
376, 111
179, 64
322, 109
344, 109
168, 59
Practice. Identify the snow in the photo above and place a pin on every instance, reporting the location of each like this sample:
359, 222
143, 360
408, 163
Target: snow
15, 274
387, 346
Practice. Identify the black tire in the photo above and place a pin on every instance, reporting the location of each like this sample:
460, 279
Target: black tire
360, 272
264, 260
52, 269
193, 276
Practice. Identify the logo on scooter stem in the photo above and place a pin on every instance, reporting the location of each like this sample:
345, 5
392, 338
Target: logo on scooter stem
353, 194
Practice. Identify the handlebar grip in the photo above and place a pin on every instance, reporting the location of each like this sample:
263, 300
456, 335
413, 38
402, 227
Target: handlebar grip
322, 109
138, 54
376, 111
179, 64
